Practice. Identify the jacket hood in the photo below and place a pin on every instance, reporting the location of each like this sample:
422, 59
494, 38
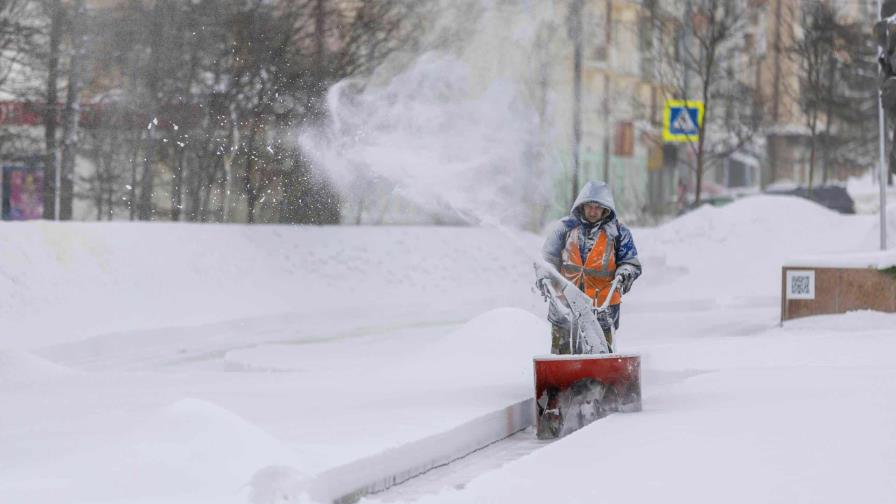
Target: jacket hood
596, 192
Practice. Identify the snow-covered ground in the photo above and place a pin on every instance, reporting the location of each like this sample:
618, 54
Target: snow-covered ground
161, 363
171, 363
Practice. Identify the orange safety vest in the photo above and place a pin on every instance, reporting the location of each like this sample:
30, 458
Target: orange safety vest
595, 274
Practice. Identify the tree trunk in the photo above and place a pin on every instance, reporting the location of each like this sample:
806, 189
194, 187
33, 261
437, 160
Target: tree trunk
228, 166
228, 184
812, 147
701, 150
708, 58
829, 114
249, 186
177, 182
195, 190
110, 197
144, 207
209, 182
698, 190
98, 199
51, 113
72, 112
132, 187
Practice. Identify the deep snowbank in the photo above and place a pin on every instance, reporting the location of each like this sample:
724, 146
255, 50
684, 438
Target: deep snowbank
66, 282
730, 254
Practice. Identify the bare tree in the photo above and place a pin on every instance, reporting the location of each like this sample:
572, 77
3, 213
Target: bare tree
198, 102
814, 53
72, 112
104, 186
703, 57
18, 34
55, 13
836, 82
854, 113
298, 49
16, 30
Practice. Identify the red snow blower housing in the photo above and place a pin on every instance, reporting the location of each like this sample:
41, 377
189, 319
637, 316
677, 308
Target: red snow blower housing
592, 381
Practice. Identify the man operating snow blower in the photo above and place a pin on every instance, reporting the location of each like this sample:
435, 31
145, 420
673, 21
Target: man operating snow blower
596, 253
590, 260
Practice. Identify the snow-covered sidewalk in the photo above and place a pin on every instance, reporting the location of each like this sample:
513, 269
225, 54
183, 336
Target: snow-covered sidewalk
198, 429
364, 340
803, 413
736, 407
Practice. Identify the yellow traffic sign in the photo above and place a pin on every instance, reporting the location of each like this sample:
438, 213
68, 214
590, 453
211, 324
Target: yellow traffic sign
682, 120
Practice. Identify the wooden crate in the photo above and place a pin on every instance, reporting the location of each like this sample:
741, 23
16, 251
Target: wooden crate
837, 290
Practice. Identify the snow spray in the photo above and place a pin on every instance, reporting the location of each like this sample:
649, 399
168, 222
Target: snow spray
436, 146
457, 152
428, 139
457, 149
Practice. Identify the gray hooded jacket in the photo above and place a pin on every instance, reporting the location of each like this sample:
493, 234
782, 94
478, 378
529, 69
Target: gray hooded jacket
624, 245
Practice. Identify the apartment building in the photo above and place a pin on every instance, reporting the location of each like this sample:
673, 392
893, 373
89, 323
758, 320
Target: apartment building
530, 43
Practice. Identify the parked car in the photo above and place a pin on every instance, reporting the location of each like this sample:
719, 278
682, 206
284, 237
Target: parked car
832, 196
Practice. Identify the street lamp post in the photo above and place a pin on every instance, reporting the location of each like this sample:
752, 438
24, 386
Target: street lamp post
883, 165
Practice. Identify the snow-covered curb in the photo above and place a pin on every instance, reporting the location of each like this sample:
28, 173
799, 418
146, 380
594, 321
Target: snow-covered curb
378, 472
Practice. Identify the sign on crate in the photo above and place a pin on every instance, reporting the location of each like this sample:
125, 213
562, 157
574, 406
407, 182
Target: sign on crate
800, 284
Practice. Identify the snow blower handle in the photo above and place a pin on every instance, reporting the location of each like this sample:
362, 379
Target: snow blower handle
602, 313
613, 288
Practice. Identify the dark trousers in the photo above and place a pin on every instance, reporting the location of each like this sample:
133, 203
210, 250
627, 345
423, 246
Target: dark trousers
560, 335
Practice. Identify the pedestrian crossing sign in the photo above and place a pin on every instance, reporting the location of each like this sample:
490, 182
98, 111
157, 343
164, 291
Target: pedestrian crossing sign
682, 120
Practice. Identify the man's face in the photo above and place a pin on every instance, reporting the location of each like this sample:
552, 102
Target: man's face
593, 212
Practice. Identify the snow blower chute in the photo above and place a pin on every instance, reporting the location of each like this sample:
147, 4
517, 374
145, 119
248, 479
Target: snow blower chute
590, 382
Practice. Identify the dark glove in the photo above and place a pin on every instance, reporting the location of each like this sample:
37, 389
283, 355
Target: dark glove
541, 285
625, 277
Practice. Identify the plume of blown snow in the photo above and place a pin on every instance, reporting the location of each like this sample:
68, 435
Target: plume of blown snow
430, 138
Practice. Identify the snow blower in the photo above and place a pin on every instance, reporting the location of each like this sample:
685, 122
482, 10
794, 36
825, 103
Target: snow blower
590, 382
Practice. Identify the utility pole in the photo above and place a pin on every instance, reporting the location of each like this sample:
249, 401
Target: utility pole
685, 47
883, 166
51, 116
776, 98
608, 27
65, 172
574, 27
686, 63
